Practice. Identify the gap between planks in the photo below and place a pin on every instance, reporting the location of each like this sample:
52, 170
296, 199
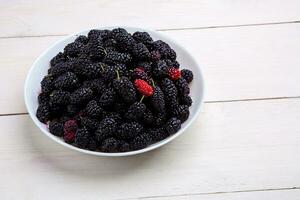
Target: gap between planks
212, 193
169, 29
220, 101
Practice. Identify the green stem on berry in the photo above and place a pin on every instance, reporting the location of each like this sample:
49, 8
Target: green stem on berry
142, 98
118, 75
131, 70
153, 84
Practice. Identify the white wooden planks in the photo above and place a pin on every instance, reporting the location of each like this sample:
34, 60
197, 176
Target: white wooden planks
34, 17
231, 147
238, 63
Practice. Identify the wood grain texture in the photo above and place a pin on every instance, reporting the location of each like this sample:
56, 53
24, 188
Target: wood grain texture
238, 63
34, 17
265, 195
231, 147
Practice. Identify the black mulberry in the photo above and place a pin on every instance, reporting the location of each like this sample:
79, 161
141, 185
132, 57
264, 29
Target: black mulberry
186, 100
73, 49
60, 57
56, 128
130, 130
187, 75
90, 124
173, 125
125, 89
82, 39
135, 111
157, 100
113, 57
140, 52
157, 134
82, 138
142, 37
169, 89
93, 110
182, 86
140, 141
110, 145
106, 128
66, 81
108, 97
59, 97
43, 98
97, 85
47, 84
43, 113
81, 95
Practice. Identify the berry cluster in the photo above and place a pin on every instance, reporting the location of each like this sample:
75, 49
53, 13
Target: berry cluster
113, 91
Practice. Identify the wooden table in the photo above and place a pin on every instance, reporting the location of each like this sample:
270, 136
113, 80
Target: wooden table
244, 145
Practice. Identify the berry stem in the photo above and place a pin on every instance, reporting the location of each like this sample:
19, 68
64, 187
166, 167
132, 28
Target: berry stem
102, 67
153, 84
118, 75
142, 98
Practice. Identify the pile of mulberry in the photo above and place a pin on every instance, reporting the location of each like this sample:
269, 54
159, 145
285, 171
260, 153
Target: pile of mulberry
115, 91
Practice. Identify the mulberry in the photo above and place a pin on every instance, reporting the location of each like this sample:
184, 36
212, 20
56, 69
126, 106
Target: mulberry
160, 69
157, 100
70, 126
182, 86
47, 84
56, 128
59, 68
97, 85
186, 100
59, 97
106, 129
143, 87
113, 57
73, 49
89, 71
142, 37
110, 145
157, 134
90, 124
135, 111
164, 49
173, 125
96, 51
140, 52
93, 110
60, 57
43, 98
82, 138
82, 39
130, 130
66, 81
140, 141
125, 89
169, 89
108, 97
174, 73
187, 75
81, 95
148, 117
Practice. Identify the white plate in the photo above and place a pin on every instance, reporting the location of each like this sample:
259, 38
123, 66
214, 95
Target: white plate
39, 70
